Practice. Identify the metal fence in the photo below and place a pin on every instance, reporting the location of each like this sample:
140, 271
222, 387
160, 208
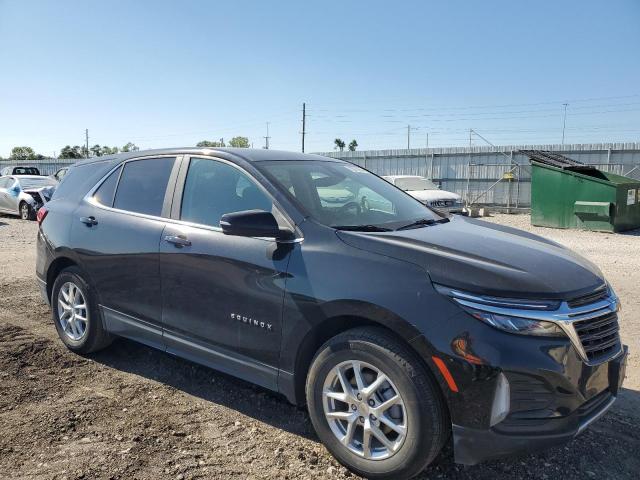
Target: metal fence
47, 166
478, 173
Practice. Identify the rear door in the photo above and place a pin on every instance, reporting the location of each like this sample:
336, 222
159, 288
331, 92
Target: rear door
116, 233
222, 295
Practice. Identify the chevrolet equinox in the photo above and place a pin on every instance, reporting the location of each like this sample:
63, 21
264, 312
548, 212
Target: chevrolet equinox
400, 328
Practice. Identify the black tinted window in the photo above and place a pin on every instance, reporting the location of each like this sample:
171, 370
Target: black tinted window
143, 184
104, 194
214, 188
26, 171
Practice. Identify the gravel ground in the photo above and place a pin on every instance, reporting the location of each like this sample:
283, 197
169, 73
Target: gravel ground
132, 412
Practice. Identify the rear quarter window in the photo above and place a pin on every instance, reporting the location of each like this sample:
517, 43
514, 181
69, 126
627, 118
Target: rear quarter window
81, 178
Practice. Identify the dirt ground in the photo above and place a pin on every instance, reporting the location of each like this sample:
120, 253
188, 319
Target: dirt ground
132, 412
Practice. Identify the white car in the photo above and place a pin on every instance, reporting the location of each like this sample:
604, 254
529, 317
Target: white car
427, 192
23, 195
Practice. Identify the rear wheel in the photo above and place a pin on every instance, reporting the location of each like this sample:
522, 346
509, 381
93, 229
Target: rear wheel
26, 211
374, 405
75, 313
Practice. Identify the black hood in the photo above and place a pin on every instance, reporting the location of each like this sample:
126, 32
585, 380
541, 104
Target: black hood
488, 259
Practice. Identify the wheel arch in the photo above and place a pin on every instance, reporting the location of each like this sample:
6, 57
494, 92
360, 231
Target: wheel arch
54, 270
335, 325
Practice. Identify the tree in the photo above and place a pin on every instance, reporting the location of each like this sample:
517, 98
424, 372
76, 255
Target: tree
96, 150
130, 147
339, 143
109, 150
22, 153
239, 142
210, 144
71, 152
353, 145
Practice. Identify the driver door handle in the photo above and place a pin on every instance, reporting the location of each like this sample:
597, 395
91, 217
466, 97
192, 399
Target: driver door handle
178, 240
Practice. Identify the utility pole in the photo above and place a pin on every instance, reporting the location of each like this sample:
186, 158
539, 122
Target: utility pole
266, 139
304, 123
427, 139
564, 121
408, 137
86, 140
470, 140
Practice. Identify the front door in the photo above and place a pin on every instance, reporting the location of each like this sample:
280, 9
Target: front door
222, 295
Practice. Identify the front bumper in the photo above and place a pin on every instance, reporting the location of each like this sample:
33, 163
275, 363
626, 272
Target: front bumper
516, 435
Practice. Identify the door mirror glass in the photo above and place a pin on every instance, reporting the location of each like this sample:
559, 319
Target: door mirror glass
252, 223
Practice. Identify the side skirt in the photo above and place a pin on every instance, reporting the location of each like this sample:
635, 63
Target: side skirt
176, 344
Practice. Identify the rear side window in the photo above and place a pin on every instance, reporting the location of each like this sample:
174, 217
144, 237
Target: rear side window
143, 184
104, 194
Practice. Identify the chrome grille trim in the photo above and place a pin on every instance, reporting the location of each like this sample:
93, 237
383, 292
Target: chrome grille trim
571, 320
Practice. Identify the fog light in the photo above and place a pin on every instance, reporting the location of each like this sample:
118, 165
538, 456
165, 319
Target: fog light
501, 400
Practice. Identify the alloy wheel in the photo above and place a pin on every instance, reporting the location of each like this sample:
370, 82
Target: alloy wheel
72, 311
365, 410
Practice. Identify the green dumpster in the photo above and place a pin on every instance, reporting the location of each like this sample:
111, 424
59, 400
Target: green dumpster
568, 194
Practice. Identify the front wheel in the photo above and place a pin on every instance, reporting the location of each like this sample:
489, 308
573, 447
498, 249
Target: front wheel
374, 405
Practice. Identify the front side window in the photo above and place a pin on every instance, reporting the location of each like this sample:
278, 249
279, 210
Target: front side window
143, 184
213, 188
345, 195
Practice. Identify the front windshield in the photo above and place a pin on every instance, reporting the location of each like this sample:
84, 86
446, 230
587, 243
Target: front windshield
36, 182
345, 195
414, 183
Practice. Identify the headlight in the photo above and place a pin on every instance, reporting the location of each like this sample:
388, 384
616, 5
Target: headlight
510, 315
516, 324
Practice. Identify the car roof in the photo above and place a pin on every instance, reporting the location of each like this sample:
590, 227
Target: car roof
248, 154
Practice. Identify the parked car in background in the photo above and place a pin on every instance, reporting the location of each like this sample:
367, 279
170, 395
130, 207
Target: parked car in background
59, 175
19, 170
23, 195
396, 325
427, 192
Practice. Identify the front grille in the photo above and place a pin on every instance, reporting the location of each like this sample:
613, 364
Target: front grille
599, 336
592, 297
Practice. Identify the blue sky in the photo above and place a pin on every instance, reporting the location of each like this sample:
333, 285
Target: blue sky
169, 73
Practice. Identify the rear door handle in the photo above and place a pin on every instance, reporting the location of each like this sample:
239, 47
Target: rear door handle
178, 240
89, 221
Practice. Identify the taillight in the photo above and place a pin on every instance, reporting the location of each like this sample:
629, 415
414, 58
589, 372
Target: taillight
42, 213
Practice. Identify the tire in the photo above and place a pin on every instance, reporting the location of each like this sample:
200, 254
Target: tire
80, 336
26, 211
421, 409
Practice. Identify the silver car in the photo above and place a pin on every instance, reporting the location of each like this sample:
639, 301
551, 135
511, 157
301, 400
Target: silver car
23, 195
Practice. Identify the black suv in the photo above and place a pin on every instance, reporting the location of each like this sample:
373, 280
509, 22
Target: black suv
398, 327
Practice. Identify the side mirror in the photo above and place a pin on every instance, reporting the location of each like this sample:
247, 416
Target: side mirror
253, 223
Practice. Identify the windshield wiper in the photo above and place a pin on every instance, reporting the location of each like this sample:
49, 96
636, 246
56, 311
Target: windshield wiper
362, 228
423, 222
